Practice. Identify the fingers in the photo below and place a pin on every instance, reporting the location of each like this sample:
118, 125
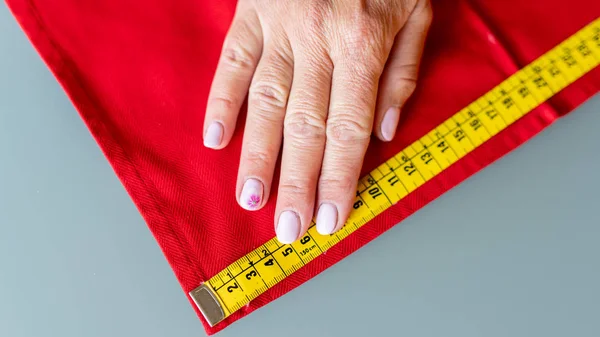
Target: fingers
400, 75
324, 114
241, 51
349, 125
267, 101
304, 141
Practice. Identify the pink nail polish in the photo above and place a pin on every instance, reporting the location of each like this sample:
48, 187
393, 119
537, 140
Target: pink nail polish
252, 194
326, 219
390, 123
214, 135
288, 227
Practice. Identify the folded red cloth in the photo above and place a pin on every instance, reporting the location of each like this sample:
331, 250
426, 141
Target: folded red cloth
139, 74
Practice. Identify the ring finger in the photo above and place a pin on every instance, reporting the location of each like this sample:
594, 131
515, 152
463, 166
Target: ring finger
304, 142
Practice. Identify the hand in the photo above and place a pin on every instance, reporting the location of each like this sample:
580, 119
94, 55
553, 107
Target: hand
321, 75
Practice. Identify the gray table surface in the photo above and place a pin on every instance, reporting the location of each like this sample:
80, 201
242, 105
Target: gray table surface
76, 258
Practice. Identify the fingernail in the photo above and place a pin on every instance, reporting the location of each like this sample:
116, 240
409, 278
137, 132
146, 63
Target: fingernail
252, 194
288, 227
390, 123
214, 135
326, 219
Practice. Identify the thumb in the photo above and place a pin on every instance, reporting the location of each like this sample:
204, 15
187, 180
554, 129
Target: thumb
399, 77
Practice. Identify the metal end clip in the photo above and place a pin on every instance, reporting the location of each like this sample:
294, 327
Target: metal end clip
206, 300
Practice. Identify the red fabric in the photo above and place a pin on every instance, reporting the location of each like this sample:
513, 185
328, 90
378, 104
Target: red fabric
139, 74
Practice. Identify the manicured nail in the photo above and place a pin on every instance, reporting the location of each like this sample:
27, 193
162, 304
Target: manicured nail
214, 135
252, 194
288, 227
390, 123
326, 219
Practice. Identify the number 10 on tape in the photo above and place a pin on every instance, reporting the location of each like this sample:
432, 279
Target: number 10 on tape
259, 270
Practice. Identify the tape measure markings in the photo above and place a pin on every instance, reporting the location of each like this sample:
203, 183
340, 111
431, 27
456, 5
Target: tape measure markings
270, 263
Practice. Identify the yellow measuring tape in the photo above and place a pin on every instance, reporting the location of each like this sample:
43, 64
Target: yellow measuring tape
259, 270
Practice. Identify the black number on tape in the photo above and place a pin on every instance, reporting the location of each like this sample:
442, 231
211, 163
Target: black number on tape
569, 60
265, 253
358, 204
232, 287
443, 146
426, 157
305, 240
475, 124
540, 82
508, 102
492, 113
269, 263
410, 169
459, 135
393, 180
524, 92
250, 275
287, 251
583, 49
554, 71
374, 192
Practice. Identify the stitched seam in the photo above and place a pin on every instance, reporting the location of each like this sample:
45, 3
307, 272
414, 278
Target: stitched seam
76, 81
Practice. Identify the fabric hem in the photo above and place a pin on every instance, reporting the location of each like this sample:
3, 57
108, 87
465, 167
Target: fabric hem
108, 143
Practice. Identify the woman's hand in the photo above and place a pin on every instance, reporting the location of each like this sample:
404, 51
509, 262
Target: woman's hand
320, 75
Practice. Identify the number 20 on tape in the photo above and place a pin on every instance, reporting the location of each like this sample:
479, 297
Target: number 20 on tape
259, 270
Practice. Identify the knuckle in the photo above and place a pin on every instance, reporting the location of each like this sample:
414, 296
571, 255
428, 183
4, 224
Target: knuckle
348, 127
223, 103
237, 56
427, 13
340, 182
361, 32
358, 32
363, 39
408, 85
304, 126
407, 80
315, 13
258, 159
268, 95
293, 186
364, 58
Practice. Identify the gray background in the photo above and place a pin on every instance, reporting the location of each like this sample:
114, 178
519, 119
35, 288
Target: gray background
513, 251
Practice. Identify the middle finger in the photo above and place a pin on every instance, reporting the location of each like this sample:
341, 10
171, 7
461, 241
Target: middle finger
303, 145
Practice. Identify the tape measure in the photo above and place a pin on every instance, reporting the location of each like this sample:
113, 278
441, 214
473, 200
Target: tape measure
259, 270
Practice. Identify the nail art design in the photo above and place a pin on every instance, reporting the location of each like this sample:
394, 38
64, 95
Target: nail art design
252, 194
253, 201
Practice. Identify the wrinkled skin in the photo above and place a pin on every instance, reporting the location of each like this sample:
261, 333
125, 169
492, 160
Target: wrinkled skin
321, 76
